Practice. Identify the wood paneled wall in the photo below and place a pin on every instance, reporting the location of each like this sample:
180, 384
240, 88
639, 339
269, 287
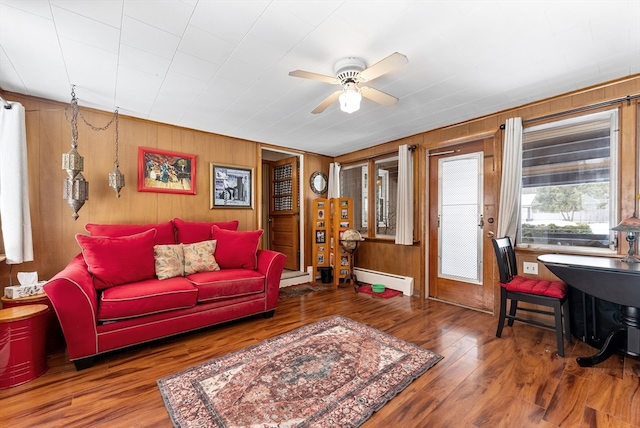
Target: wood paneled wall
49, 135
385, 256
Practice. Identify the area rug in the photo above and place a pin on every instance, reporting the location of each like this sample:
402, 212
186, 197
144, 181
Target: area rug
332, 373
386, 294
299, 290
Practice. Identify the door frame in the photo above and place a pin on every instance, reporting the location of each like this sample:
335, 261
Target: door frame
492, 181
265, 187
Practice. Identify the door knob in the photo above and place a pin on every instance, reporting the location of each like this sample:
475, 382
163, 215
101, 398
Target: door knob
490, 234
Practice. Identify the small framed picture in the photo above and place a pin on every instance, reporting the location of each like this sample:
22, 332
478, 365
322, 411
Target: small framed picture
344, 261
320, 236
344, 203
331, 259
344, 224
320, 213
320, 224
344, 213
321, 204
231, 186
321, 248
344, 272
320, 259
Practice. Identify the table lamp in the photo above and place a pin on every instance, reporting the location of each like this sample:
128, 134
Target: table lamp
630, 225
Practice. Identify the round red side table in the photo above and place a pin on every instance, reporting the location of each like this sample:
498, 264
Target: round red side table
55, 338
22, 344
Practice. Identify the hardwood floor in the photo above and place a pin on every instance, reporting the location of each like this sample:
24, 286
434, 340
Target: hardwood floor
483, 381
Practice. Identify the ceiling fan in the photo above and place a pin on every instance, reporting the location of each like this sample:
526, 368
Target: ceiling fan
352, 73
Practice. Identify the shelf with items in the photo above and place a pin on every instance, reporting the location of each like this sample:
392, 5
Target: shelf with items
321, 233
342, 220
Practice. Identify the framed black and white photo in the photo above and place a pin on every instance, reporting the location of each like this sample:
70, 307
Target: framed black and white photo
320, 237
231, 186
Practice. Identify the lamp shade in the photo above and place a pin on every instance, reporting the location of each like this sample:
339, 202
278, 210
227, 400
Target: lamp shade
350, 99
631, 224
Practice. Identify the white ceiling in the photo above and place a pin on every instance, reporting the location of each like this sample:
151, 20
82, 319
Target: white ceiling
222, 66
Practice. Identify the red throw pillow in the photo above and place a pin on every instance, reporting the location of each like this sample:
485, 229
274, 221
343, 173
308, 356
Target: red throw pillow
118, 260
190, 232
236, 250
165, 234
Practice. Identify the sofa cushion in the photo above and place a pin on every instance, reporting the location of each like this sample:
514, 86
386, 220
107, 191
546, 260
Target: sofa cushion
118, 260
165, 233
189, 232
146, 297
236, 249
227, 283
199, 257
169, 260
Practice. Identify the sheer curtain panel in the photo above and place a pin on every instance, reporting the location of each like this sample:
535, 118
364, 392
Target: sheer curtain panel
511, 184
334, 180
404, 209
14, 186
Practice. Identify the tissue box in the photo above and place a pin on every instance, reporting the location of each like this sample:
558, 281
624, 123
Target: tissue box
16, 292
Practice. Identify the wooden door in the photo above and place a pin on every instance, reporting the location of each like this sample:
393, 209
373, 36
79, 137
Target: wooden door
457, 221
284, 211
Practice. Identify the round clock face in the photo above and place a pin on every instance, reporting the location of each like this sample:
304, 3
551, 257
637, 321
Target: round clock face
319, 182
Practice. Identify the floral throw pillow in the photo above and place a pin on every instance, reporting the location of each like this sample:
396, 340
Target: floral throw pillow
199, 257
169, 261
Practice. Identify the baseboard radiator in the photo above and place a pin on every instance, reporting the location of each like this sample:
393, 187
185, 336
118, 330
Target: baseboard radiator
395, 282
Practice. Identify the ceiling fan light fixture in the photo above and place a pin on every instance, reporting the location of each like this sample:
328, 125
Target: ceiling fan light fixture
350, 98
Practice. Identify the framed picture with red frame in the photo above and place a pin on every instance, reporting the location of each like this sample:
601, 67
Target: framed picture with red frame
163, 171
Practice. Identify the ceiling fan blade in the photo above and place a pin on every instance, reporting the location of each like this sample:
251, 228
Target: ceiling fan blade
314, 76
390, 63
327, 102
378, 96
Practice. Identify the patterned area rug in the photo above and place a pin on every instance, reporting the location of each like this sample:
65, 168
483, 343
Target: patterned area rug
299, 290
332, 373
386, 294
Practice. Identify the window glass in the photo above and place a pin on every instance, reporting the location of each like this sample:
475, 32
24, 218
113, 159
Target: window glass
353, 184
569, 185
386, 192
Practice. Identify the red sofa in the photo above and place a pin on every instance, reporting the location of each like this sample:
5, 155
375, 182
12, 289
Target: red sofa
129, 285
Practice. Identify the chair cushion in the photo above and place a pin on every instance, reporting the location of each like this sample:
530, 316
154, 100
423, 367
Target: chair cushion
146, 297
114, 261
165, 233
226, 283
540, 287
189, 232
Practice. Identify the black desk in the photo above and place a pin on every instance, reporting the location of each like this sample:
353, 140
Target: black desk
607, 279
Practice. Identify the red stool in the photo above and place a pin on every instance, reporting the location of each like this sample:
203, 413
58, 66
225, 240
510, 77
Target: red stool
23, 354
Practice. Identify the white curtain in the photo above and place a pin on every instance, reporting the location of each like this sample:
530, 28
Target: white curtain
14, 186
334, 180
404, 206
511, 184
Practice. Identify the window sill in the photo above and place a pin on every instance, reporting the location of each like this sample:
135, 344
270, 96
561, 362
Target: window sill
385, 240
583, 251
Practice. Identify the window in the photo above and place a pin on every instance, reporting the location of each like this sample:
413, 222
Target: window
386, 196
354, 181
353, 184
569, 183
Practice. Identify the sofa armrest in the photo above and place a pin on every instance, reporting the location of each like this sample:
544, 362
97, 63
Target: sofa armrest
75, 301
271, 264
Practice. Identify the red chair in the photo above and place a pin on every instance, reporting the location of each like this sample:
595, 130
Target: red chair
535, 291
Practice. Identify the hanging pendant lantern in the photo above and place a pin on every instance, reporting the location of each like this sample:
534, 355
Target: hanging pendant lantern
116, 178
75, 187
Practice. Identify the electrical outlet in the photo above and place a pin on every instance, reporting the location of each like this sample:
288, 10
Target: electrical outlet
530, 268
